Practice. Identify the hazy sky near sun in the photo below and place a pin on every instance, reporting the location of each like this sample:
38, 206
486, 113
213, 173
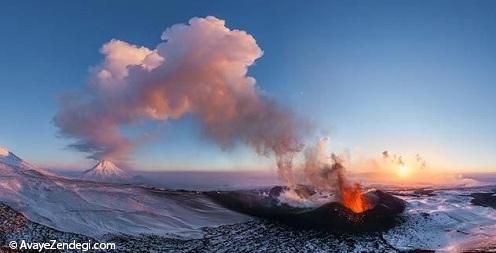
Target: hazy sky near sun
405, 76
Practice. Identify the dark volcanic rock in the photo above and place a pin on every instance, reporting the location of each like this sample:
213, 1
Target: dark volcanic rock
253, 236
424, 192
258, 236
484, 199
10, 220
331, 216
14, 226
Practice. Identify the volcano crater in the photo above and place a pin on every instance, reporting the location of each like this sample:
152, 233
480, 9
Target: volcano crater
330, 216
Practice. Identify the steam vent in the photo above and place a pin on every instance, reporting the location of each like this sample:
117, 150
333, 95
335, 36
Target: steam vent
332, 216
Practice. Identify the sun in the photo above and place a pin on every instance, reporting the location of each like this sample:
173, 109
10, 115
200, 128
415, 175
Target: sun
403, 171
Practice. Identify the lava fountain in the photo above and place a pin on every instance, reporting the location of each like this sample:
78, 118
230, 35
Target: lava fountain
326, 200
351, 195
353, 198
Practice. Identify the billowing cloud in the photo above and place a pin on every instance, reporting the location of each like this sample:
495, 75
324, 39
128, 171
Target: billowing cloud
200, 68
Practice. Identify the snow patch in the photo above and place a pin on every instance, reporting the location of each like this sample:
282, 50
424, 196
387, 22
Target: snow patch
292, 198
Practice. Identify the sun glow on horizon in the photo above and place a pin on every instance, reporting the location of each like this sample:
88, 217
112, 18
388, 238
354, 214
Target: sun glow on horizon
403, 171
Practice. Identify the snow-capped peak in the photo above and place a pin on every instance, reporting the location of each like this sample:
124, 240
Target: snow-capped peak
106, 166
4, 151
105, 171
7, 157
10, 159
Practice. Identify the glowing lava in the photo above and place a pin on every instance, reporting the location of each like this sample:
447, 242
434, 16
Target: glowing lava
352, 195
353, 198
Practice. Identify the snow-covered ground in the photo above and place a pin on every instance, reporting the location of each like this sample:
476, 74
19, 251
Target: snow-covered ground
444, 220
441, 219
95, 209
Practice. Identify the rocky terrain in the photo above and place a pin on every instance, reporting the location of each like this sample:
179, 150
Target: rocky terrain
36, 206
252, 236
255, 235
16, 227
486, 199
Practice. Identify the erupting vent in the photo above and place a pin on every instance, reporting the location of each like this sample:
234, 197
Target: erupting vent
357, 212
354, 198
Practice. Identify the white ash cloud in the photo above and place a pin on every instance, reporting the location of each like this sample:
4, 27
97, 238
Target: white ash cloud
200, 69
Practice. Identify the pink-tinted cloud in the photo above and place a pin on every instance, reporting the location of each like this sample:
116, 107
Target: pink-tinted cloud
200, 68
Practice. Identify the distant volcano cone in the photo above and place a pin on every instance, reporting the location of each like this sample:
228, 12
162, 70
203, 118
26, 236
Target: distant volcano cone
105, 171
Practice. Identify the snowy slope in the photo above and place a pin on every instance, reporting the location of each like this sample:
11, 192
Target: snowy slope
96, 209
445, 221
106, 171
10, 159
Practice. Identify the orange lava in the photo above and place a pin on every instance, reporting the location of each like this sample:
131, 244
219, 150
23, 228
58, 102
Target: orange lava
353, 198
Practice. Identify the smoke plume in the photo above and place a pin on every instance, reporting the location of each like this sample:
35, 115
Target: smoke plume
324, 171
327, 173
199, 68
398, 159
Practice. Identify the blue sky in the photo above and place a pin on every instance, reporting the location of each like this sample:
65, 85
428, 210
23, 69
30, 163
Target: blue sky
406, 76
